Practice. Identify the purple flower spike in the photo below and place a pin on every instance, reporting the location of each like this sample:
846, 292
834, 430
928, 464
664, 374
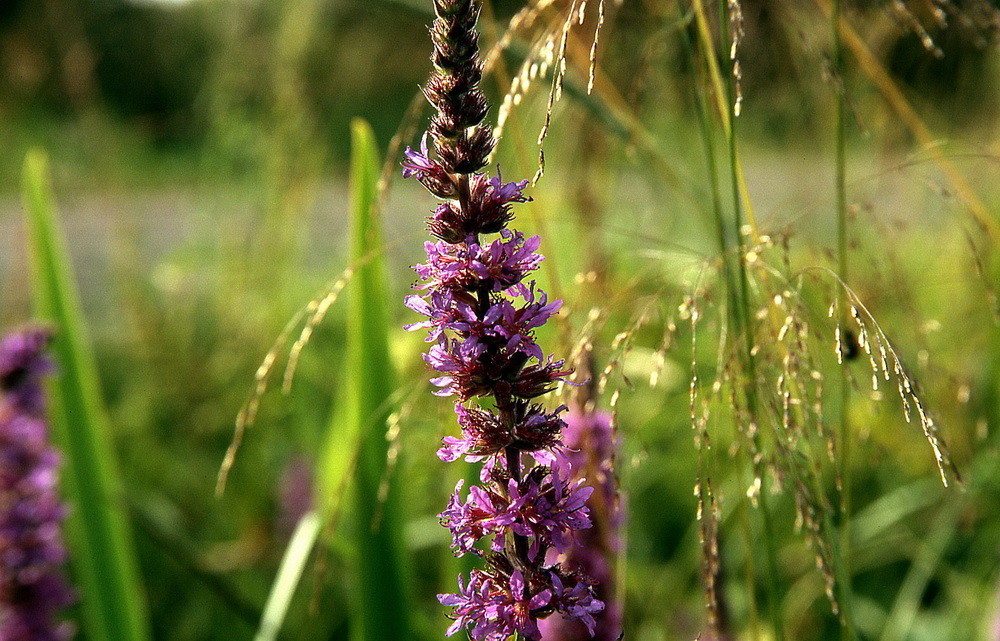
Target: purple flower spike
481, 311
32, 589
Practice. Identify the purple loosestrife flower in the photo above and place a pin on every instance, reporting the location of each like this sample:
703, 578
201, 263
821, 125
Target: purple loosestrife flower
546, 512
469, 267
481, 313
32, 589
502, 601
590, 451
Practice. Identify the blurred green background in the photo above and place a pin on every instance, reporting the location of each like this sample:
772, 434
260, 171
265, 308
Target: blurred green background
200, 151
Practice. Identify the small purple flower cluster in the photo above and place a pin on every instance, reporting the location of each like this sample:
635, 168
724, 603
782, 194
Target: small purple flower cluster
32, 589
481, 316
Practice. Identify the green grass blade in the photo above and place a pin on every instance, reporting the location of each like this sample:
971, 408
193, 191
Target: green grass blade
97, 529
356, 440
289, 574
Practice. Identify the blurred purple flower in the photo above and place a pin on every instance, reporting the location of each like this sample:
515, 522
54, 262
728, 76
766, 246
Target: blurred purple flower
23, 363
590, 452
295, 493
32, 588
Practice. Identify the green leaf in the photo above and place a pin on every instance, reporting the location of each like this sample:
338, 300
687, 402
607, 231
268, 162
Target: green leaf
97, 529
356, 449
292, 565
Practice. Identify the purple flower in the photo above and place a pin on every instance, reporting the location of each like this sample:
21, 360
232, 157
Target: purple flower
484, 513
497, 266
501, 602
503, 193
480, 607
466, 375
515, 325
508, 326
418, 163
495, 607
32, 589
540, 378
487, 211
483, 434
430, 173
481, 318
442, 312
22, 364
548, 510
576, 601
471, 605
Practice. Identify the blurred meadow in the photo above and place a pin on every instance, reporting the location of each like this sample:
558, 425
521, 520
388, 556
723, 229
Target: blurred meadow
749, 213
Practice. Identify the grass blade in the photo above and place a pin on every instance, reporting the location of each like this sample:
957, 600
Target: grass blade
97, 529
292, 566
357, 436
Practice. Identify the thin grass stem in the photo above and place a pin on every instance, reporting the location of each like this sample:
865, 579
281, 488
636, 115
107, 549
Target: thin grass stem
749, 361
728, 276
841, 548
739, 295
722, 92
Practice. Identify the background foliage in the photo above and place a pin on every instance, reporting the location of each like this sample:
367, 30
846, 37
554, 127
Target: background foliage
200, 153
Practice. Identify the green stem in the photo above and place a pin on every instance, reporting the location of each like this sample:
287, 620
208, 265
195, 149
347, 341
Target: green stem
713, 176
728, 276
751, 578
746, 328
841, 548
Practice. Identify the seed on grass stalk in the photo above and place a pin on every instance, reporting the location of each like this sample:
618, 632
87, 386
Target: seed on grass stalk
869, 330
314, 313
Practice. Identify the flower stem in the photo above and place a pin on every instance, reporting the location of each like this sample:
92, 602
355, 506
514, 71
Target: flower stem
728, 271
841, 548
517, 549
745, 327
